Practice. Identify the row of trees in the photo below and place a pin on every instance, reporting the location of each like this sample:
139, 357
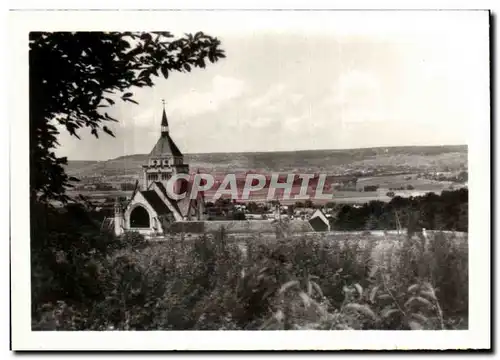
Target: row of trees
461, 177
448, 211
407, 187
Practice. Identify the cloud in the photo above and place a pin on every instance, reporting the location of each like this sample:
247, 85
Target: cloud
329, 90
355, 85
294, 123
357, 97
295, 98
274, 92
197, 102
145, 116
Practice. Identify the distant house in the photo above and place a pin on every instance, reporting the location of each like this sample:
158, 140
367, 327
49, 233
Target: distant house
319, 221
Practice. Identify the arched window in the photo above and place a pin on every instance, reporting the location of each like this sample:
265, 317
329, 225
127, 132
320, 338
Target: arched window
139, 218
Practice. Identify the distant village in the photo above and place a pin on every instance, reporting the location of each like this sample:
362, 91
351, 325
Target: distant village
139, 202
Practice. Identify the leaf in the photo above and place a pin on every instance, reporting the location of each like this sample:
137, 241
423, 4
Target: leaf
317, 288
111, 102
263, 270
413, 288
164, 70
373, 293
414, 325
363, 309
187, 67
107, 131
305, 299
384, 297
428, 286
201, 63
279, 315
130, 100
421, 318
127, 94
429, 295
106, 116
387, 312
144, 73
146, 36
359, 289
288, 285
418, 299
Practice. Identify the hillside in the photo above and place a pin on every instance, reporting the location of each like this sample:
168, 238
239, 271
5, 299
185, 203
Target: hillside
392, 158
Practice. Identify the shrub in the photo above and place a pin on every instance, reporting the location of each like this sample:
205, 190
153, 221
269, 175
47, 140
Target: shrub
133, 240
90, 280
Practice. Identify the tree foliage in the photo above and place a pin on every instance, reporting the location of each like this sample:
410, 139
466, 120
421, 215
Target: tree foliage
75, 77
448, 211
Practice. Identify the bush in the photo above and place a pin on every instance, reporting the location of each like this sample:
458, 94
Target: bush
83, 278
214, 283
448, 211
133, 240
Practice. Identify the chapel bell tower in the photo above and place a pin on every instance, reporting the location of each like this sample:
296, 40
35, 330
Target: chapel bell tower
165, 159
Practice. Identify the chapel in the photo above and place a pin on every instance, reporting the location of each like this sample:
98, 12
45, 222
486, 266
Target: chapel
151, 211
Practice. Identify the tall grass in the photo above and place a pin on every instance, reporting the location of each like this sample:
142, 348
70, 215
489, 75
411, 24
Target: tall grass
211, 283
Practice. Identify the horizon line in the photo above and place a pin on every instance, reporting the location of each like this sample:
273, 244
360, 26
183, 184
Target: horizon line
282, 151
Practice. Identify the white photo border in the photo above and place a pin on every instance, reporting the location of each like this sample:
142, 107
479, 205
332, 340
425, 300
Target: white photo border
23, 338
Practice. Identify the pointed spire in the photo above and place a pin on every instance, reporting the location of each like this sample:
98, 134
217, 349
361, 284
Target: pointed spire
164, 121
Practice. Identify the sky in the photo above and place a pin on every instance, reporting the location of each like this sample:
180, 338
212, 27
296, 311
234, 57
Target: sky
332, 80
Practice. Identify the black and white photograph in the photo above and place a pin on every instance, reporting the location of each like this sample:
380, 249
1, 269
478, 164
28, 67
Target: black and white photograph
250, 180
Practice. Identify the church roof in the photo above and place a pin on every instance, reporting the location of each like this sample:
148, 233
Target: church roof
182, 206
318, 224
164, 191
156, 203
165, 146
164, 121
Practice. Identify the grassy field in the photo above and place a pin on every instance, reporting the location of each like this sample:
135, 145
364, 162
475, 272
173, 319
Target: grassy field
352, 281
421, 186
397, 181
99, 194
341, 197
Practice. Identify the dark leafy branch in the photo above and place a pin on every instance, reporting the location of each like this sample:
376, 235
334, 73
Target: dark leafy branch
75, 76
